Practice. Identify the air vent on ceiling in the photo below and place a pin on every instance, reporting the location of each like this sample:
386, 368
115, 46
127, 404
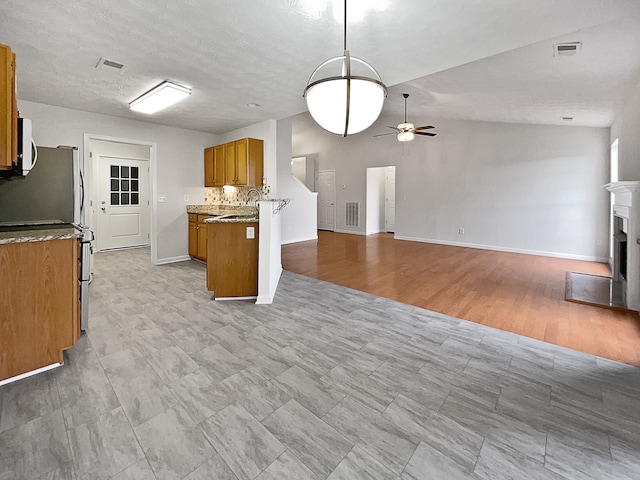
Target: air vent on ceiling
106, 63
566, 49
567, 119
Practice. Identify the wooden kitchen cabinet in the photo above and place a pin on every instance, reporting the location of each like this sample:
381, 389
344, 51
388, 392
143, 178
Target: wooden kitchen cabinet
8, 109
218, 166
40, 308
232, 259
193, 235
202, 238
208, 167
239, 163
198, 236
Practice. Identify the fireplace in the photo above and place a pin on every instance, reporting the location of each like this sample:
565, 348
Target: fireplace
625, 261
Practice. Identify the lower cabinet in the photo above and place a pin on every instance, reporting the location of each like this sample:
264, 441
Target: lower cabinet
232, 260
198, 236
40, 304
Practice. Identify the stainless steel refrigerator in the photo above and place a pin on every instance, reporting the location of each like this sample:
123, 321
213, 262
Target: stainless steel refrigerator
54, 191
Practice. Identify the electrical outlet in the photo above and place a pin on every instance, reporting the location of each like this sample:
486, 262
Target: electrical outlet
461, 231
162, 198
186, 199
251, 232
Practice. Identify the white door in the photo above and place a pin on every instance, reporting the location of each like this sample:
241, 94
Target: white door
123, 215
390, 200
326, 187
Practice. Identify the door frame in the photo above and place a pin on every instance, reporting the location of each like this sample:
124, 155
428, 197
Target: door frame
94, 173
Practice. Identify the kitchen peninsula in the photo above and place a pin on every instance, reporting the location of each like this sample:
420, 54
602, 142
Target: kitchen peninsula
243, 248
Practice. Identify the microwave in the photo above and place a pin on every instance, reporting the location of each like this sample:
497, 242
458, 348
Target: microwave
27, 151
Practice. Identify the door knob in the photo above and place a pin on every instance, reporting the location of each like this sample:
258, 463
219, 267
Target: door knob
103, 209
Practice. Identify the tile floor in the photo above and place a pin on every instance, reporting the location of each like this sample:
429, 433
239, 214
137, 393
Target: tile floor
326, 383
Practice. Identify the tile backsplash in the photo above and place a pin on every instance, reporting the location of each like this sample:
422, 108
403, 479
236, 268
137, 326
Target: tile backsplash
232, 195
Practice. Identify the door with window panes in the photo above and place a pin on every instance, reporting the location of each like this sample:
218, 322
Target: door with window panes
123, 207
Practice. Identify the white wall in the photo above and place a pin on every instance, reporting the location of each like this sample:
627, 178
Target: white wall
300, 217
179, 169
525, 188
375, 200
626, 127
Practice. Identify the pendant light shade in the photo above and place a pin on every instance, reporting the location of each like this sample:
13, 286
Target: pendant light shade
345, 94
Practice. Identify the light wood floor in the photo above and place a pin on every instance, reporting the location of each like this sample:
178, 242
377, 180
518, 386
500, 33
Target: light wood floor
519, 293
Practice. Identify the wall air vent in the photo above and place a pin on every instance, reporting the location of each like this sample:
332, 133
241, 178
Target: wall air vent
567, 49
352, 214
104, 63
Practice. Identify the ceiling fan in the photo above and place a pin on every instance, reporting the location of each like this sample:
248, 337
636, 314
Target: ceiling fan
406, 130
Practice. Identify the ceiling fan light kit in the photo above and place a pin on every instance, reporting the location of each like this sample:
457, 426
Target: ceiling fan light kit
405, 136
345, 94
407, 130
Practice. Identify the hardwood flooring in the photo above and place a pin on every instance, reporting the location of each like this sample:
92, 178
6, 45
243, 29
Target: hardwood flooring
523, 294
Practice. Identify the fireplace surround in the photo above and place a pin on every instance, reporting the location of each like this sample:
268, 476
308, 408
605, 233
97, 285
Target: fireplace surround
625, 262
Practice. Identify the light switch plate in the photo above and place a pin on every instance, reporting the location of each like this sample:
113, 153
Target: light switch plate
251, 232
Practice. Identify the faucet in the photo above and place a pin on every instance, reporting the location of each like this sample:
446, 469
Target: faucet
253, 195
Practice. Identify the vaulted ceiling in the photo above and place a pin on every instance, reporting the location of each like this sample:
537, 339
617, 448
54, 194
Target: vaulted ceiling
471, 59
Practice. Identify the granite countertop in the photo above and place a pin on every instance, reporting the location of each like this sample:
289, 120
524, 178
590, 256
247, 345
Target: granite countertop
225, 213
220, 210
235, 219
37, 233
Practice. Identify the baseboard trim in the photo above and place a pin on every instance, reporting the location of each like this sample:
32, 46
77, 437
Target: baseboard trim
541, 253
268, 299
352, 232
29, 374
181, 258
298, 240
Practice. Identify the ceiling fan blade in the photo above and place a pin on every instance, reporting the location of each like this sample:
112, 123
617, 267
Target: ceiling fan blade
384, 134
425, 133
425, 128
395, 128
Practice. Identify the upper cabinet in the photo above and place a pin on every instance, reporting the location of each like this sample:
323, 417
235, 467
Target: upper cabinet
8, 109
234, 163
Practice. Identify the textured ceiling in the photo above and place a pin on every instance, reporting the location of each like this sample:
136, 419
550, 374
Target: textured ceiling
474, 59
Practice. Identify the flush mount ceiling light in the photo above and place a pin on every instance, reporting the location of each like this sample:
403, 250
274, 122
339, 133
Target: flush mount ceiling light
345, 94
165, 94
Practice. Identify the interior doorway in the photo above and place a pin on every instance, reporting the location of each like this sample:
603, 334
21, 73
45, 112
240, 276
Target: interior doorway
125, 169
326, 188
381, 200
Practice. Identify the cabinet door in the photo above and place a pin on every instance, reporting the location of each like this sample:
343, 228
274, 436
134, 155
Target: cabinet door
14, 112
230, 163
208, 167
193, 239
202, 240
7, 86
241, 161
218, 166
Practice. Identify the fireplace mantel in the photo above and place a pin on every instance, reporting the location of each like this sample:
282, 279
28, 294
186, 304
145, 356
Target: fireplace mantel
623, 187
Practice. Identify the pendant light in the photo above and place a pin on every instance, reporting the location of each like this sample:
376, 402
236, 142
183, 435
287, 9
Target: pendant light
345, 94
